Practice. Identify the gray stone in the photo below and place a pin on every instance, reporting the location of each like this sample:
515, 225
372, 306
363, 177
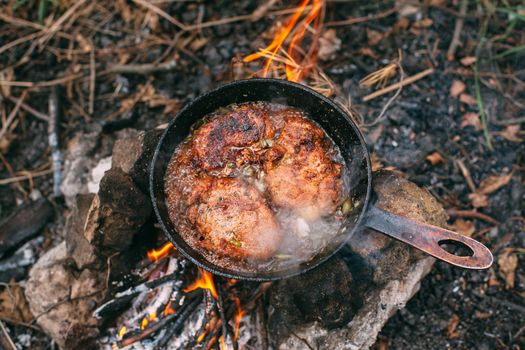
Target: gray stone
62, 299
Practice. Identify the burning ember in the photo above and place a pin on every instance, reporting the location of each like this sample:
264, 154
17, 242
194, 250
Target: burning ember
164, 312
238, 317
204, 282
156, 254
297, 62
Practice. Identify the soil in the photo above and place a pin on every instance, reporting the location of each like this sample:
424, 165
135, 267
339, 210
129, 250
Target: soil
455, 308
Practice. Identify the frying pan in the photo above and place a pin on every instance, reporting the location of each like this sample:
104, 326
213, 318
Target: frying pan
346, 135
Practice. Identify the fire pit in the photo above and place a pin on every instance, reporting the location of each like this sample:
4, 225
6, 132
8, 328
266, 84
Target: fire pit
84, 256
161, 300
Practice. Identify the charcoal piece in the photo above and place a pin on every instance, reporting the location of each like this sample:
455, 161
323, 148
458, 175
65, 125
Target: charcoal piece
24, 223
325, 294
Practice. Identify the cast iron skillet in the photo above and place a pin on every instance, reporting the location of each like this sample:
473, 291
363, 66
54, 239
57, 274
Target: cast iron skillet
348, 138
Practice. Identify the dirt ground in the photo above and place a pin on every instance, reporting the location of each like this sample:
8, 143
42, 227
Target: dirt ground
455, 131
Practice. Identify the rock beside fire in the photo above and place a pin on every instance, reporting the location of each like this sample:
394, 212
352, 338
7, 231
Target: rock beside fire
382, 276
69, 281
62, 299
117, 212
133, 154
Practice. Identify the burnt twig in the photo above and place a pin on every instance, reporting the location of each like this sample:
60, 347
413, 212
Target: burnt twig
122, 298
179, 318
23, 224
183, 315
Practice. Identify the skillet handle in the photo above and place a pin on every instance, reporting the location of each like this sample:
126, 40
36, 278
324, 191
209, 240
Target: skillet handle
427, 238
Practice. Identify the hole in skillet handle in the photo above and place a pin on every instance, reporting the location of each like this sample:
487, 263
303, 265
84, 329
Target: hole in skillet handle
430, 239
455, 247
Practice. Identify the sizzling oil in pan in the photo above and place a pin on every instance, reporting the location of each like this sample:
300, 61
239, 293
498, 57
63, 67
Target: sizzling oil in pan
256, 186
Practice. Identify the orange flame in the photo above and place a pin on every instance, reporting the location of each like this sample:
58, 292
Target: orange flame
152, 316
223, 344
168, 310
144, 323
294, 70
155, 254
205, 281
238, 317
201, 337
122, 331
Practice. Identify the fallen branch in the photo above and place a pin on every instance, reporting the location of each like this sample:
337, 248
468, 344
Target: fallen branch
29, 109
396, 86
55, 27
143, 68
25, 177
12, 115
466, 175
472, 214
451, 52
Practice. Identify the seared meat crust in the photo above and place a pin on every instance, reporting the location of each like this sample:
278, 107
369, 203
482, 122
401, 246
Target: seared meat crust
234, 218
300, 174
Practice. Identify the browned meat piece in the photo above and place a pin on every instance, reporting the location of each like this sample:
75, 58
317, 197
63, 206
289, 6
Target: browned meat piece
300, 173
217, 143
234, 219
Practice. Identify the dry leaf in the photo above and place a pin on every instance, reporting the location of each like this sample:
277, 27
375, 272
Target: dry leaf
329, 44
424, 23
435, 158
375, 134
198, 43
376, 162
402, 23
468, 99
405, 9
478, 200
125, 10
471, 119
482, 315
13, 304
368, 52
452, 326
493, 183
508, 262
457, 88
467, 61
511, 133
465, 227
374, 37
493, 280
